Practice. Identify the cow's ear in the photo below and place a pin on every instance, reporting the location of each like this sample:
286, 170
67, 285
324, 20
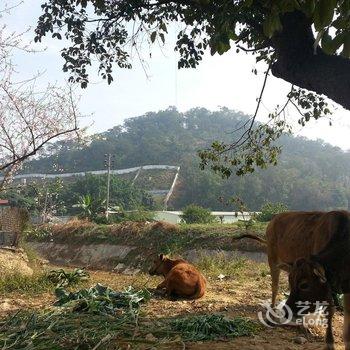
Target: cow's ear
285, 267
161, 257
320, 272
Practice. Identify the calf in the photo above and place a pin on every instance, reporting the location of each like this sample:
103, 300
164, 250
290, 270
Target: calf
181, 278
312, 280
294, 235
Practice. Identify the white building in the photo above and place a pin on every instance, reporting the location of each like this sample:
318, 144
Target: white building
227, 217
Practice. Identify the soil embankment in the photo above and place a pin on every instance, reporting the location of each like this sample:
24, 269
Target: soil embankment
132, 245
14, 261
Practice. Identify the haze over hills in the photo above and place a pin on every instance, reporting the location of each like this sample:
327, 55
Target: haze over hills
310, 175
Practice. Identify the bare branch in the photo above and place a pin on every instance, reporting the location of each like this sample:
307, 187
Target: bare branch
30, 118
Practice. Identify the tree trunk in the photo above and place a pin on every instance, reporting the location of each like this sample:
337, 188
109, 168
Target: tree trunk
298, 64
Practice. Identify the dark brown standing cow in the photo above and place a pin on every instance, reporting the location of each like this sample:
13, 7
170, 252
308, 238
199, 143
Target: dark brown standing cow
314, 279
181, 278
294, 235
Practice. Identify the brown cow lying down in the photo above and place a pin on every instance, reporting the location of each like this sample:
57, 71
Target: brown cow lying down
314, 279
181, 278
294, 235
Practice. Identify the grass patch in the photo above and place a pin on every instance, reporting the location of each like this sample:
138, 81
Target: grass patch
35, 284
221, 264
41, 282
215, 326
32, 255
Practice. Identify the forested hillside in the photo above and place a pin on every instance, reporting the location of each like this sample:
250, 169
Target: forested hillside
310, 175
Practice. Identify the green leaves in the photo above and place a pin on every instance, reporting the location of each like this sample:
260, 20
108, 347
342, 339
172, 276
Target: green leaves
220, 43
327, 43
308, 7
153, 37
324, 12
309, 105
102, 300
64, 278
272, 24
346, 47
331, 45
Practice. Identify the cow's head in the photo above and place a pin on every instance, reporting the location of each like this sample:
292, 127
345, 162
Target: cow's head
308, 285
158, 266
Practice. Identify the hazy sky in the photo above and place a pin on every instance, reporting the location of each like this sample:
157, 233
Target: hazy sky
219, 81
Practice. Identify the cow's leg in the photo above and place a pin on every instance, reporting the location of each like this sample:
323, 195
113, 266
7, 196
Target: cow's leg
275, 277
162, 285
347, 321
329, 331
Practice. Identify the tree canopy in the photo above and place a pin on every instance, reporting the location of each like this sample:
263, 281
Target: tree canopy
310, 175
71, 197
305, 42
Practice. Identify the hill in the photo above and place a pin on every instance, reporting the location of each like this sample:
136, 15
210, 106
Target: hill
310, 175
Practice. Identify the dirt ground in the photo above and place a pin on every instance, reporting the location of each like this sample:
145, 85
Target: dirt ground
238, 295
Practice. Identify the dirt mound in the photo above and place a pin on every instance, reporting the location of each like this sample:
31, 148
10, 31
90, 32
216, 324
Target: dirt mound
165, 226
85, 232
82, 243
14, 261
69, 228
140, 227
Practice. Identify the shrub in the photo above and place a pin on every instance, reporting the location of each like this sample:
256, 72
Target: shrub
269, 210
136, 215
194, 214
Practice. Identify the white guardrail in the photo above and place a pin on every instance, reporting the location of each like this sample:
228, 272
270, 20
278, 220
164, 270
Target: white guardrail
138, 169
96, 172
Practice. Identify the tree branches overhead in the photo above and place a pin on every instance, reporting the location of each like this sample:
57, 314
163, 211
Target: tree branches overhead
305, 42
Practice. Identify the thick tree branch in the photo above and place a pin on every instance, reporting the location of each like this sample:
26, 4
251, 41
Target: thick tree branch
296, 62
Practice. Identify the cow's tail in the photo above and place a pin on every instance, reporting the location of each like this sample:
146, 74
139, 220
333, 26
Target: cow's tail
248, 235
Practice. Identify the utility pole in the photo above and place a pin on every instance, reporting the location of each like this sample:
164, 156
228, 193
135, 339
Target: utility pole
108, 164
44, 217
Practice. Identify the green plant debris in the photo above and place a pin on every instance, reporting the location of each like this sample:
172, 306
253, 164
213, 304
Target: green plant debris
61, 330
215, 326
64, 329
115, 316
102, 300
101, 318
62, 278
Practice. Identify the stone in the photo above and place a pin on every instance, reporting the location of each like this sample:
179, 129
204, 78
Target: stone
300, 340
119, 267
131, 272
150, 337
